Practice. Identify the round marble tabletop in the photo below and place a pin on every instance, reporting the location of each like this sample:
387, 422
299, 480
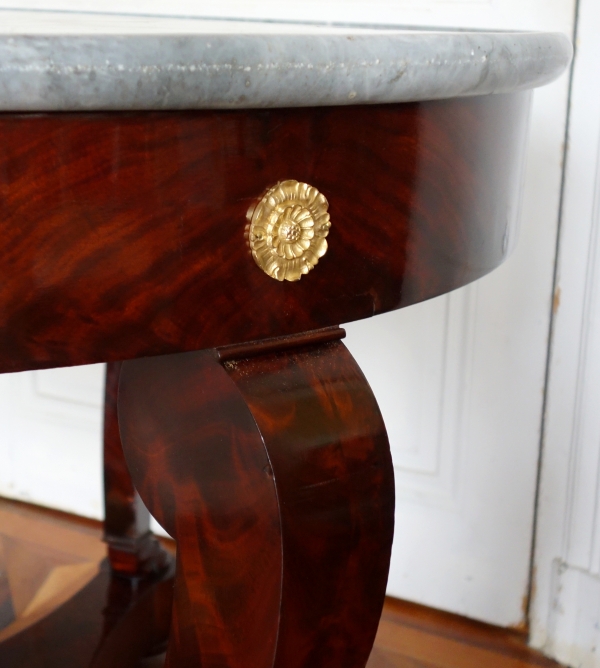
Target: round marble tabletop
71, 62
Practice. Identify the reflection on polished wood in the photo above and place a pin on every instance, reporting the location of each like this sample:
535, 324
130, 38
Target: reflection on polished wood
70, 611
123, 234
45, 558
273, 473
133, 551
410, 636
264, 454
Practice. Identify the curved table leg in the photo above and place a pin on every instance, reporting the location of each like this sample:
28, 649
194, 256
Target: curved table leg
270, 466
132, 548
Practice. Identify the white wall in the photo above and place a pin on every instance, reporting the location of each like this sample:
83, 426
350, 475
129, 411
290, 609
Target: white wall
50, 438
498, 14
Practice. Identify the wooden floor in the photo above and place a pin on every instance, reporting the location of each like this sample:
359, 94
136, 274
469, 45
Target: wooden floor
46, 556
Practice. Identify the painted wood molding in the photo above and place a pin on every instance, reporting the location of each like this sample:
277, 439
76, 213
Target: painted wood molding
565, 612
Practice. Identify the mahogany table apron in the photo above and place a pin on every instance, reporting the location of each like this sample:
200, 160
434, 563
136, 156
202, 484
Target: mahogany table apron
249, 430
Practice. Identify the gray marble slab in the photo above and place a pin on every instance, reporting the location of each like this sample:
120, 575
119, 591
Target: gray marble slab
69, 62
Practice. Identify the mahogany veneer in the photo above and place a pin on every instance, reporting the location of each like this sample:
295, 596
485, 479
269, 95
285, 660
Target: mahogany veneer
409, 635
133, 551
123, 234
274, 475
264, 454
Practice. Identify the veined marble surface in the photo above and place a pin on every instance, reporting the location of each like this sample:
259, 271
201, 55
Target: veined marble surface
72, 62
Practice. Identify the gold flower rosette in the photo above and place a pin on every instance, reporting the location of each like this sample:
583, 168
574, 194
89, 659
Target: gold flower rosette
288, 229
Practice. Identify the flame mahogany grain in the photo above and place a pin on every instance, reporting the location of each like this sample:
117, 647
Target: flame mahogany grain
273, 473
132, 549
123, 233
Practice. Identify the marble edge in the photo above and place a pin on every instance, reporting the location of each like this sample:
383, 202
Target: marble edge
235, 71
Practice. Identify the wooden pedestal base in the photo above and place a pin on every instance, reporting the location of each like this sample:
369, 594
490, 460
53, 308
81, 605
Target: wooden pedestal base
270, 466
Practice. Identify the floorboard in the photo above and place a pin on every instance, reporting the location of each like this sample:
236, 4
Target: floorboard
45, 556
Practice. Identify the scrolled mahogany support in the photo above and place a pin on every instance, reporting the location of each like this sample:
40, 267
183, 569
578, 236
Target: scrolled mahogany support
270, 465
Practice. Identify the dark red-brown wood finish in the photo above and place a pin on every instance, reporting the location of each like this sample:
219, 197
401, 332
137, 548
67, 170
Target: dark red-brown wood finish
123, 234
273, 473
123, 237
132, 549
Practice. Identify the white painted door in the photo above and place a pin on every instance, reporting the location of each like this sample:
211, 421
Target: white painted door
566, 606
460, 379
